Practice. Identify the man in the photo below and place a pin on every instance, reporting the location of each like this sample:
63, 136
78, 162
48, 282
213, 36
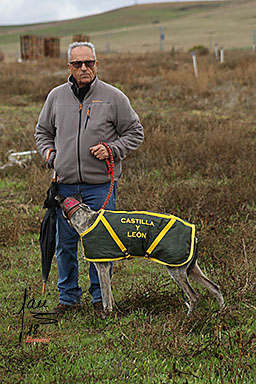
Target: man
75, 118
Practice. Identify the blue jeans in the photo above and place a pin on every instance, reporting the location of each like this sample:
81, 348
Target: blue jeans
67, 239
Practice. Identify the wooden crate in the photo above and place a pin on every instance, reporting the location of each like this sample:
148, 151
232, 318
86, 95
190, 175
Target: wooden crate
52, 47
80, 38
31, 47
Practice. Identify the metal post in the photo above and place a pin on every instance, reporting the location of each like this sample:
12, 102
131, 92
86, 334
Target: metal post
194, 64
162, 37
221, 55
216, 51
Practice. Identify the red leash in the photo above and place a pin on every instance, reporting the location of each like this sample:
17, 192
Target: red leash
111, 173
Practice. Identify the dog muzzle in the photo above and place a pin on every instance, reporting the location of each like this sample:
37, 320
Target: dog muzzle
70, 206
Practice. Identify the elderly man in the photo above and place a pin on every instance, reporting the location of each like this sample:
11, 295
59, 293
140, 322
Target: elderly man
75, 118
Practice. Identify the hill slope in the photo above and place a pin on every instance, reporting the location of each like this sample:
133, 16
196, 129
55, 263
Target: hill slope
137, 28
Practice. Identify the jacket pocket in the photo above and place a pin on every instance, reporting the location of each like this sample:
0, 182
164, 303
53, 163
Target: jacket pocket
98, 115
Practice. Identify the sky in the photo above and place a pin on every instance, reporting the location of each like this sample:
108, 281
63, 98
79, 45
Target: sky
15, 12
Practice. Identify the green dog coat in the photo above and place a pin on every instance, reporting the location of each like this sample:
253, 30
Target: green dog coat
117, 235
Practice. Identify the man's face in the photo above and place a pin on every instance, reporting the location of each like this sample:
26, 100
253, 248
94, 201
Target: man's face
84, 74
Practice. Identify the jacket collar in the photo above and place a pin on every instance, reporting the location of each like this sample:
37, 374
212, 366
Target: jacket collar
83, 92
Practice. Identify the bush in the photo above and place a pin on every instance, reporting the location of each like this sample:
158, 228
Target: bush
200, 49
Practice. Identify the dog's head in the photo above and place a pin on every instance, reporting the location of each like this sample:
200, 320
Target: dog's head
79, 215
69, 205
61, 198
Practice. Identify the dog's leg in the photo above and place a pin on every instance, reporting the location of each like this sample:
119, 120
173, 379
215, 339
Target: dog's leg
179, 275
198, 275
103, 270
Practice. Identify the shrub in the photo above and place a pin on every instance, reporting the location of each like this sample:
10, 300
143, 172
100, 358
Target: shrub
200, 49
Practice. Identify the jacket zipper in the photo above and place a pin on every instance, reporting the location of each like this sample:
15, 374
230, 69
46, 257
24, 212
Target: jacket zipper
78, 143
87, 117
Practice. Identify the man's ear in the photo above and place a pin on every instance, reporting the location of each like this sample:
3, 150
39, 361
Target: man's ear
69, 67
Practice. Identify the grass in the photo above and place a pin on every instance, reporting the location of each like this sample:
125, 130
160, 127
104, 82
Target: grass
116, 19
228, 23
198, 162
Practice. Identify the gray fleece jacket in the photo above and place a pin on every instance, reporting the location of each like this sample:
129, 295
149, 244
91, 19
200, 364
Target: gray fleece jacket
70, 128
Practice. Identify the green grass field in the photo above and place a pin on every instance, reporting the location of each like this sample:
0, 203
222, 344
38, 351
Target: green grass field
137, 28
197, 162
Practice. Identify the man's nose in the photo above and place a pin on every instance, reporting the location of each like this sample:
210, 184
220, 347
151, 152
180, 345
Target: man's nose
83, 66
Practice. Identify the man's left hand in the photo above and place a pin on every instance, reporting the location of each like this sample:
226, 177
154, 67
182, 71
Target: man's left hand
100, 152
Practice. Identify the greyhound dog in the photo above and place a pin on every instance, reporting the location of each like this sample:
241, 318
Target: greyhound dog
82, 218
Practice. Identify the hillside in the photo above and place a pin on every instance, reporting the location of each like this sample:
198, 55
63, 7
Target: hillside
137, 28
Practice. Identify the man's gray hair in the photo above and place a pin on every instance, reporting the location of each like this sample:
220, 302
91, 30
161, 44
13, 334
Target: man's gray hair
80, 44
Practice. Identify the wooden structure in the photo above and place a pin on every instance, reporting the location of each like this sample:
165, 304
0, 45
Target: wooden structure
34, 47
81, 38
31, 47
52, 47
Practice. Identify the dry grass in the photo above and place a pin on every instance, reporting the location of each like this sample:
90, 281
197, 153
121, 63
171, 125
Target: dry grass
197, 155
197, 161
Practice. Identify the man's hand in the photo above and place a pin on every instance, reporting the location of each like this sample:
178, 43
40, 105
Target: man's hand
100, 152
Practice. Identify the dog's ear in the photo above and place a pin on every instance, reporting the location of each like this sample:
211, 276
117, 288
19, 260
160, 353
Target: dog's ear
60, 198
78, 197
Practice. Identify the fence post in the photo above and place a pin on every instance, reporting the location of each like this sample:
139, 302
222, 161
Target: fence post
254, 41
221, 55
216, 51
162, 37
107, 47
194, 64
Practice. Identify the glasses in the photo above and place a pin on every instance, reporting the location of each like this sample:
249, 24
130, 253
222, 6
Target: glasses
87, 63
